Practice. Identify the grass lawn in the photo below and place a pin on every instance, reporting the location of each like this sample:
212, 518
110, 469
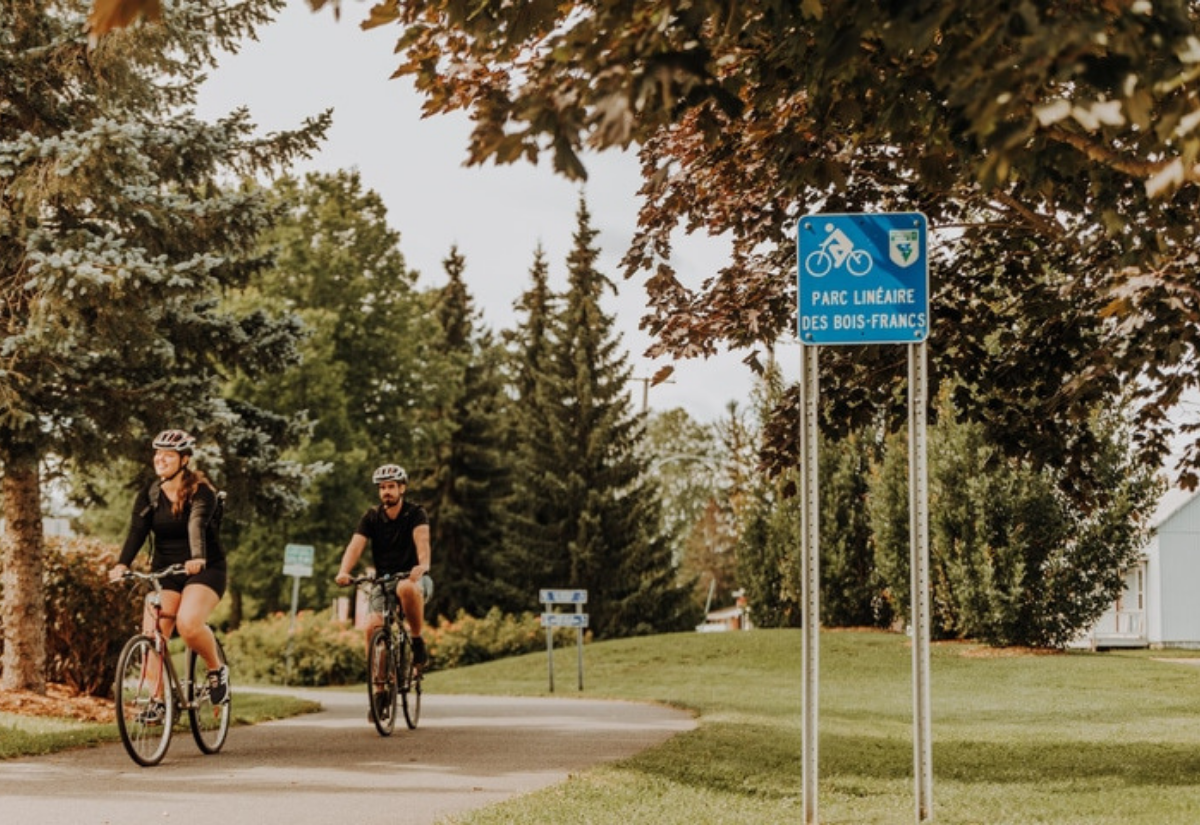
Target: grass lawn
1068, 739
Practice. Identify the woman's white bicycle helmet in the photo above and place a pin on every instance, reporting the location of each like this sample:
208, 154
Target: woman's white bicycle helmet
390, 472
177, 440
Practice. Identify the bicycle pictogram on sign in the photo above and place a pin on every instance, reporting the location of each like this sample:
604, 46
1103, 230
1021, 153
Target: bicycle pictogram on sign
835, 252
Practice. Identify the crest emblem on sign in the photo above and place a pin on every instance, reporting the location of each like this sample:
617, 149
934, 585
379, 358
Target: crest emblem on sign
904, 246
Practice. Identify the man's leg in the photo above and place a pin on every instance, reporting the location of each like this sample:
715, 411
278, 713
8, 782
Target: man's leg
413, 602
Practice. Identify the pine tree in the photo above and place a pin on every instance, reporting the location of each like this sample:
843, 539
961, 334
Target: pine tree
117, 240
529, 556
469, 477
591, 510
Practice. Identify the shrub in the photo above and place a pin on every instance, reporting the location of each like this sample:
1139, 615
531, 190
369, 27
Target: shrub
469, 640
323, 651
87, 618
326, 651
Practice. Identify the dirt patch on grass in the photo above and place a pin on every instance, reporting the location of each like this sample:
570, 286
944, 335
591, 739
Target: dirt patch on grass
985, 652
60, 701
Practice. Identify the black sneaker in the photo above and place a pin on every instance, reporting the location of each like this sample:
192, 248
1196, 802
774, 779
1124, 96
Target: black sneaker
153, 714
218, 685
420, 656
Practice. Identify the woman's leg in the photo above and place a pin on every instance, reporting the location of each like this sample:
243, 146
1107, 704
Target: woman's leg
196, 604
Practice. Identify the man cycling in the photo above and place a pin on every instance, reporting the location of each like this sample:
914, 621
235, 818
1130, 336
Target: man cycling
398, 531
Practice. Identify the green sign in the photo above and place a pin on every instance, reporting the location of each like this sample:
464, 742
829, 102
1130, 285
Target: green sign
298, 560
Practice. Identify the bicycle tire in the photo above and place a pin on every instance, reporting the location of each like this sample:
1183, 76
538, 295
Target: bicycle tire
381, 683
135, 688
410, 684
210, 723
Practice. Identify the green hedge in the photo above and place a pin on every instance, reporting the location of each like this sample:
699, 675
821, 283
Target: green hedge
325, 651
468, 640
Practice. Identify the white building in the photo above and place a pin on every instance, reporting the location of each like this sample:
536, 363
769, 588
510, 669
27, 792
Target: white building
1159, 606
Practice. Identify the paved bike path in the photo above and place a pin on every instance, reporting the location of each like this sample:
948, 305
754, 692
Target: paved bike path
332, 767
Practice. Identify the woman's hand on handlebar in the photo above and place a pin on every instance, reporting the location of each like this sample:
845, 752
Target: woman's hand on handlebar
194, 566
342, 578
117, 572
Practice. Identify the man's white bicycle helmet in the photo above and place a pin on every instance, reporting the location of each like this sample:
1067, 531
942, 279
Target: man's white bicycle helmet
177, 440
390, 472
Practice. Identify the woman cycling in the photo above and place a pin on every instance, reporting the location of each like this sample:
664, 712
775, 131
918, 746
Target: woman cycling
181, 520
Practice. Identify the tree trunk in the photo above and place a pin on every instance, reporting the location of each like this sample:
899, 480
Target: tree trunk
22, 561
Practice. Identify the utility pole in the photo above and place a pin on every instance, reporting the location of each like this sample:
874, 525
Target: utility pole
646, 390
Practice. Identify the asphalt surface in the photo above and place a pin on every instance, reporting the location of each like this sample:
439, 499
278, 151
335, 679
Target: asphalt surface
332, 767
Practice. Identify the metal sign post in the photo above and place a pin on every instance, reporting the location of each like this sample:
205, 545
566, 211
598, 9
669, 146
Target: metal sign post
864, 279
918, 506
551, 619
811, 585
297, 563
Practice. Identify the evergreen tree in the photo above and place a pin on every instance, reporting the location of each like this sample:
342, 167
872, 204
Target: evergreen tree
591, 509
470, 476
850, 584
529, 523
371, 373
116, 243
768, 549
1013, 560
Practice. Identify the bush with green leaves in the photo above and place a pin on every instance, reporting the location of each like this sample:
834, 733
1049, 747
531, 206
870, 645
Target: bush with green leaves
88, 619
321, 650
1013, 560
325, 651
468, 640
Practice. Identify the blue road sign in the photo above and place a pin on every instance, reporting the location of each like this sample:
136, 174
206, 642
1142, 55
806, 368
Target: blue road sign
564, 620
562, 596
863, 278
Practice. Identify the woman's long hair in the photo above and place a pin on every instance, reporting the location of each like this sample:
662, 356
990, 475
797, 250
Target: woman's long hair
190, 480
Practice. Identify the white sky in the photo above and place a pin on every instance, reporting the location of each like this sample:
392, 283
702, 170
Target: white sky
306, 62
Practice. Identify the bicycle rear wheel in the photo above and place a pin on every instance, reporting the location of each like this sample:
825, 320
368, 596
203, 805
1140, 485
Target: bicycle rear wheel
144, 704
210, 723
410, 684
381, 683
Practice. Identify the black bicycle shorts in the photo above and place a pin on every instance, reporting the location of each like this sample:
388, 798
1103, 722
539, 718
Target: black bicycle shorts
214, 578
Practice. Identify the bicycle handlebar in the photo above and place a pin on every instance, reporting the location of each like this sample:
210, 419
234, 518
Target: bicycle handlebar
154, 575
367, 578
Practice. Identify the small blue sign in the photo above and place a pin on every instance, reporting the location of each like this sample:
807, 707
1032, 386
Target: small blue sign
863, 278
562, 596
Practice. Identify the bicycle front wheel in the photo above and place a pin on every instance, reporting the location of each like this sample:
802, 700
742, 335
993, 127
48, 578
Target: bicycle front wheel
410, 685
210, 723
144, 704
381, 683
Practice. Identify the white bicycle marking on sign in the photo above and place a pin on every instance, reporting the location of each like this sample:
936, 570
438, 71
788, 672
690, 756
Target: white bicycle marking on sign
836, 252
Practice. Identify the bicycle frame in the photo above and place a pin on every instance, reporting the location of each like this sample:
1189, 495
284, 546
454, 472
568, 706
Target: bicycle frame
180, 688
401, 678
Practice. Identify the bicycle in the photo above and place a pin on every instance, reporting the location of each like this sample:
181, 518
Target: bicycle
147, 707
392, 672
